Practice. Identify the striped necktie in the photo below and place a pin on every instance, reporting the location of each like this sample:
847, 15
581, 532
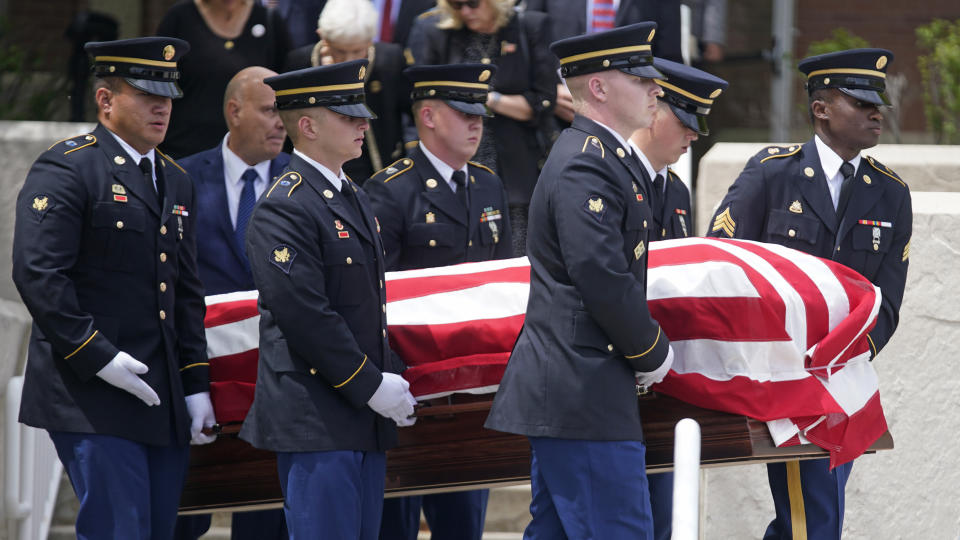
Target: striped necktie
602, 15
245, 206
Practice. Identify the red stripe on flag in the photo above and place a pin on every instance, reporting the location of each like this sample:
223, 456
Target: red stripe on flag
456, 374
235, 367
849, 436
676, 314
230, 312
421, 344
402, 289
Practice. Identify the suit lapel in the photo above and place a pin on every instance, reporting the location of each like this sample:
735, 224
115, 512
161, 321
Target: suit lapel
863, 196
814, 188
124, 170
212, 177
169, 188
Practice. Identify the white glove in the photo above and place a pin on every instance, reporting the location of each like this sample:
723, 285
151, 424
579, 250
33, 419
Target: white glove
648, 378
123, 372
393, 400
201, 416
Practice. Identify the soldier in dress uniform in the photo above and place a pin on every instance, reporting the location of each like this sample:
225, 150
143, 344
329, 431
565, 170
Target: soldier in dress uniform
824, 198
589, 345
688, 94
104, 257
683, 106
436, 209
328, 398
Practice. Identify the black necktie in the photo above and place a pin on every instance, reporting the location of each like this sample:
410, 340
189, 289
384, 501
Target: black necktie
147, 169
461, 180
846, 187
347, 191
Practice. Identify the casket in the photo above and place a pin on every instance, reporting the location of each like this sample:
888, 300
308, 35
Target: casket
771, 355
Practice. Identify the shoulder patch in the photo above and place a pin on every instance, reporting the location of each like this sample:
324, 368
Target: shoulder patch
393, 170
593, 142
172, 162
885, 170
71, 144
282, 257
481, 166
42, 203
595, 206
772, 152
288, 182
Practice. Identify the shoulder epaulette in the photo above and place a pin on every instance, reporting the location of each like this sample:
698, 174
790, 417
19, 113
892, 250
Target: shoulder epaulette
393, 170
885, 170
779, 151
672, 174
289, 179
481, 166
429, 13
172, 162
76, 142
594, 142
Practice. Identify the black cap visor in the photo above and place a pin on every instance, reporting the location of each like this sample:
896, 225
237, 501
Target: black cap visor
158, 88
870, 96
356, 110
691, 120
478, 109
647, 71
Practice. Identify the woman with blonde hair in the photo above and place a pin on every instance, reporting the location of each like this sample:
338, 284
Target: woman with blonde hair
524, 87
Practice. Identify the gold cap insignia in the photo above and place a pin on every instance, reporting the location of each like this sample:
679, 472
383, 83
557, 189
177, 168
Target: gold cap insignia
716, 93
650, 37
430, 217
119, 160
724, 222
881, 62
40, 203
484, 75
431, 183
363, 72
808, 171
596, 205
796, 208
621, 153
118, 189
281, 255
866, 180
169, 52
328, 194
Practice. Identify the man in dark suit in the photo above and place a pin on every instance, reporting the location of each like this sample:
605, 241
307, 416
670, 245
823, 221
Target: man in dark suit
346, 29
104, 257
682, 108
436, 209
823, 198
575, 17
229, 178
328, 398
589, 345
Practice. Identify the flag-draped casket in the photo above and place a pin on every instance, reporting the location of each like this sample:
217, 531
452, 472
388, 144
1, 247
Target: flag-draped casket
758, 330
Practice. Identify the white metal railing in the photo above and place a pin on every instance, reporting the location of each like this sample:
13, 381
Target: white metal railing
32, 470
686, 480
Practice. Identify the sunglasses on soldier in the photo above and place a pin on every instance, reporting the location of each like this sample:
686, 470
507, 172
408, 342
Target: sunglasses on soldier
457, 6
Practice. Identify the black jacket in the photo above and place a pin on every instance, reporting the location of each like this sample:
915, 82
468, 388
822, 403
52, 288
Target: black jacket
104, 267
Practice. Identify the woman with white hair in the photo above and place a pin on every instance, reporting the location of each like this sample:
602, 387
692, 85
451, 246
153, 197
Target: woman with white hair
524, 86
346, 29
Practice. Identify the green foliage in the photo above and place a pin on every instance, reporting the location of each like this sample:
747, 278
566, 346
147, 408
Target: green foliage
840, 40
940, 72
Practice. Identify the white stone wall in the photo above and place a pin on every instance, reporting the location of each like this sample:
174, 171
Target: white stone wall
913, 491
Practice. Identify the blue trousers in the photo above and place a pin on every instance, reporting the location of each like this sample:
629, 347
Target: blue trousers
809, 499
451, 516
661, 504
588, 489
253, 525
336, 494
126, 489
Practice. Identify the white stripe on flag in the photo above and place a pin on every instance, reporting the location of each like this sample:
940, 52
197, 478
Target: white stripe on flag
233, 338
762, 361
231, 297
459, 269
709, 279
854, 384
490, 301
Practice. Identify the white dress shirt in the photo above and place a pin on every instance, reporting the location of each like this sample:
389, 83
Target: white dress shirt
233, 169
137, 156
830, 162
336, 179
446, 171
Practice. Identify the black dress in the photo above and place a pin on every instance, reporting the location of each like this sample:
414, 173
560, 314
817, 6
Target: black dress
197, 120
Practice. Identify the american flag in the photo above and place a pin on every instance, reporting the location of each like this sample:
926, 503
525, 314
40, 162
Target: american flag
757, 329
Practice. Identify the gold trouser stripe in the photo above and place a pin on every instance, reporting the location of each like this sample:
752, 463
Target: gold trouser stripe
328, 88
131, 60
644, 353
605, 52
184, 368
81, 346
457, 84
683, 92
354, 373
798, 516
850, 71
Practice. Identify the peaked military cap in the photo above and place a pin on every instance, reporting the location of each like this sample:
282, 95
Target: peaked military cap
689, 93
626, 48
463, 87
146, 63
860, 73
338, 87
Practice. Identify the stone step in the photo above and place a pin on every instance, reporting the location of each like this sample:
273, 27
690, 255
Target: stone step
508, 510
